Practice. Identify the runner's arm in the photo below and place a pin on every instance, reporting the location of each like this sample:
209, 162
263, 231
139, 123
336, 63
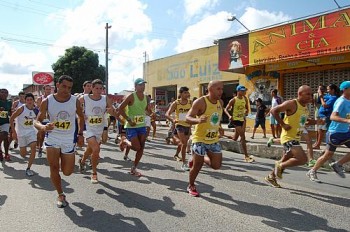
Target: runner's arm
197, 109
171, 109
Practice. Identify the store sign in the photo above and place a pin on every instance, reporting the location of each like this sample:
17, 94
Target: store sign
42, 78
305, 39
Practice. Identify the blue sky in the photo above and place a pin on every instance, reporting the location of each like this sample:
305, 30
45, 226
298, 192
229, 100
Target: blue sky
34, 33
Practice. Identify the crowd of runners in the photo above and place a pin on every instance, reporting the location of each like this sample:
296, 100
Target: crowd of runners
61, 122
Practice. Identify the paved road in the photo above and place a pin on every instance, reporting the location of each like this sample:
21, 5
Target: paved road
234, 198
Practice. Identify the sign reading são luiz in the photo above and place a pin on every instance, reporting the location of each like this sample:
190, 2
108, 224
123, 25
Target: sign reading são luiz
42, 78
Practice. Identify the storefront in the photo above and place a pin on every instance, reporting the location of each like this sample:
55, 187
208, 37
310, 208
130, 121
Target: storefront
193, 69
310, 51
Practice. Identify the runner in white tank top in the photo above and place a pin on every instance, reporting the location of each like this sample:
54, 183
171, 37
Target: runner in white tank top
95, 107
60, 148
24, 131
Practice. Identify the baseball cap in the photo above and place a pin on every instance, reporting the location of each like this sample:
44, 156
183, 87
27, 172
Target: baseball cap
151, 102
139, 81
345, 85
241, 88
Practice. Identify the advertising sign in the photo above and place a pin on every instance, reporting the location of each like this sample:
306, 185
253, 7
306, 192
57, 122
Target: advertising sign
42, 78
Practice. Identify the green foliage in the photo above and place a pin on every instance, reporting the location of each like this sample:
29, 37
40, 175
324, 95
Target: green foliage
81, 64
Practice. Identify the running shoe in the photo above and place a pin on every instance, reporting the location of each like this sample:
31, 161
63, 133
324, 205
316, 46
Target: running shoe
311, 163
94, 179
278, 169
81, 166
191, 189
29, 172
126, 158
248, 159
337, 169
134, 172
177, 158
269, 142
185, 167
40, 153
61, 201
7, 158
313, 176
272, 181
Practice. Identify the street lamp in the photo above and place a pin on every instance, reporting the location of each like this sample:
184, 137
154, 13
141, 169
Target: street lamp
233, 18
106, 73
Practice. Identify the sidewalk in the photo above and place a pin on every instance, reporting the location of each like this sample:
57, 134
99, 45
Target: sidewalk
258, 147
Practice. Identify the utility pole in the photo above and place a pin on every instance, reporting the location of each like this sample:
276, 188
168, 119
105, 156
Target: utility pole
145, 66
106, 73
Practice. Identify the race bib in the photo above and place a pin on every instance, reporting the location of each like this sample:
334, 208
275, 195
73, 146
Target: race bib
211, 135
28, 122
95, 120
4, 114
139, 119
182, 116
62, 125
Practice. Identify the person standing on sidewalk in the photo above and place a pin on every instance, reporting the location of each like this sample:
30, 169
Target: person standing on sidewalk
293, 124
62, 108
183, 129
338, 134
41, 134
137, 104
275, 126
261, 111
5, 113
24, 131
240, 109
95, 106
206, 114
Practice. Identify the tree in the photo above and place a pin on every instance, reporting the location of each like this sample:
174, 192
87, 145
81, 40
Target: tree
81, 64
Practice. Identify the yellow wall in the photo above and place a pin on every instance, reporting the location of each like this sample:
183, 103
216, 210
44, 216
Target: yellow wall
189, 69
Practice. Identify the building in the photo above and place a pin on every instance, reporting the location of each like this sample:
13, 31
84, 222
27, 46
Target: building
193, 69
309, 51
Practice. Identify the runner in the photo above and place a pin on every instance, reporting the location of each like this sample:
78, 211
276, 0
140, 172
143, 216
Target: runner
41, 134
15, 105
123, 137
137, 103
95, 106
24, 131
62, 108
206, 113
5, 113
182, 128
240, 109
293, 124
338, 134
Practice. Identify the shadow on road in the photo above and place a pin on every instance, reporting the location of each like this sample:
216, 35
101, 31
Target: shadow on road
98, 220
133, 200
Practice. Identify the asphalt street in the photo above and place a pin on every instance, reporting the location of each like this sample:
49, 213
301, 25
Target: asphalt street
234, 198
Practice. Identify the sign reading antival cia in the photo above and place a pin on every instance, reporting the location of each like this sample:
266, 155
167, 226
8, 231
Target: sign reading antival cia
42, 78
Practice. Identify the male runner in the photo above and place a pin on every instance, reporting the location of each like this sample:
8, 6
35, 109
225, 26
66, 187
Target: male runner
62, 108
182, 129
206, 113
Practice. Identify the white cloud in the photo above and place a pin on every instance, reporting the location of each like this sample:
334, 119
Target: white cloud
16, 67
204, 32
254, 18
85, 26
197, 7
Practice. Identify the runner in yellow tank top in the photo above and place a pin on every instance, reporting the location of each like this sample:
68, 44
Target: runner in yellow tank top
292, 128
182, 130
239, 104
206, 113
